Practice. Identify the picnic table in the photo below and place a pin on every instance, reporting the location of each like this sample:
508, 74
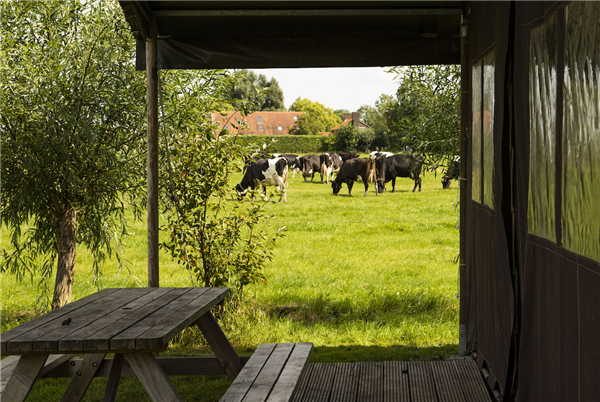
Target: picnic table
132, 323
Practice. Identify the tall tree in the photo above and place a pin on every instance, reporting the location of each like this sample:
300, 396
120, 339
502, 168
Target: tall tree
426, 117
72, 134
317, 117
255, 92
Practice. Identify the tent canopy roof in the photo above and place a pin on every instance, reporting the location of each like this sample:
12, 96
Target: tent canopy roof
272, 34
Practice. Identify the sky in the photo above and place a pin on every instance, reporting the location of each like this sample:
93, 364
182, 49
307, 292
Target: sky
336, 88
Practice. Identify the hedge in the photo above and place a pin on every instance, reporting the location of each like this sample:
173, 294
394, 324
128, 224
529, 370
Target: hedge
299, 144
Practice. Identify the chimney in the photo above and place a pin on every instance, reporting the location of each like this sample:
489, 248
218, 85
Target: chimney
355, 119
347, 116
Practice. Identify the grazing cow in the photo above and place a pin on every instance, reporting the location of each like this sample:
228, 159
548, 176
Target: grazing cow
336, 163
398, 165
375, 154
353, 170
348, 155
265, 172
326, 167
294, 162
452, 172
310, 165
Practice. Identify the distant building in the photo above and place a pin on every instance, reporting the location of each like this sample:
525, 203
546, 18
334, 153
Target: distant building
350, 118
259, 123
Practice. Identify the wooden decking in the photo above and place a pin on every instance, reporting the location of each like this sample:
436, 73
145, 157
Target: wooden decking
420, 381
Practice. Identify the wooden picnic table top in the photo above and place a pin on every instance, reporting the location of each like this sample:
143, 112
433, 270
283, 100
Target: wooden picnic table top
114, 321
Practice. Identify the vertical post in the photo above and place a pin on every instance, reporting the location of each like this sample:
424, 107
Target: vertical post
464, 149
152, 110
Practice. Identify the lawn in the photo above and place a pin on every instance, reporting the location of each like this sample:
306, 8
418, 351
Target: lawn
362, 278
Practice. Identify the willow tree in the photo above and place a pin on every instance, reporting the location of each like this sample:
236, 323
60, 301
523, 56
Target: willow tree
72, 135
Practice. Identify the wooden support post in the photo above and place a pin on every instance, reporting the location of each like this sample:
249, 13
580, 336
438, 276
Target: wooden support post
464, 150
113, 378
219, 343
83, 378
23, 377
152, 377
152, 110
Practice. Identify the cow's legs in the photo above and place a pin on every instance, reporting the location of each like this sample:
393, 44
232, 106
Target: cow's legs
367, 187
350, 184
393, 184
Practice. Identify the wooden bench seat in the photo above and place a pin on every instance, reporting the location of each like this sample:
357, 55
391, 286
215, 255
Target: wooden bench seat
10, 363
271, 374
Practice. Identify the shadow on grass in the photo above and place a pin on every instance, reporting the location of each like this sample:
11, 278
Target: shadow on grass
357, 353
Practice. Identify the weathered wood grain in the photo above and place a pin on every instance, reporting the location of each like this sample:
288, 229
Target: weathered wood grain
420, 379
152, 377
285, 388
23, 377
113, 378
395, 382
446, 382
58, 315
371, 382
268, 376
83, 378
220, 345
241, 385
471, 381
318, 387
345, 387
181, 314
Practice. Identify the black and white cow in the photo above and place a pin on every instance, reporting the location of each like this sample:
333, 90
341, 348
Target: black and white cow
294, 162
326, 162
348, 155
357, 169
310, 165
375, 154
452, 172
265, 172
336, 163
398, 165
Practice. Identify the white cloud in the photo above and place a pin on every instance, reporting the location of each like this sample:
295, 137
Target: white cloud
336, 88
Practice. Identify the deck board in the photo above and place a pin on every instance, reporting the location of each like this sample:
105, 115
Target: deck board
421, 381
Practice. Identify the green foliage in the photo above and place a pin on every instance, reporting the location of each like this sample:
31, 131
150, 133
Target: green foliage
364, 139
251, 91
302, 144
317, 119
341, 113
72, 129
212, 234
346, 138
426, 117
377, 117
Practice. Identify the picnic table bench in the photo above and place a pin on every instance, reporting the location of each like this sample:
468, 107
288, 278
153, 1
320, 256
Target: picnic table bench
133, 323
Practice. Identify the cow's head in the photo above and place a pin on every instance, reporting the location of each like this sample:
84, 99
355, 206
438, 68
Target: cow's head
336, 187
446, 181
240, 190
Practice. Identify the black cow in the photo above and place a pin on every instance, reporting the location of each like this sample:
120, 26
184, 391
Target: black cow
399, 165
348, 155
265, 172
294, 162
452, 172
310, 165
353, 170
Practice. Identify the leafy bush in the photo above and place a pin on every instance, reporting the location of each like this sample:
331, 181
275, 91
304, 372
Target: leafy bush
346, 138
364, 139
302, 144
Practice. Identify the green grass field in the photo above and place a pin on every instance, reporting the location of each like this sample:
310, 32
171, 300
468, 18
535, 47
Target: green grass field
362, 278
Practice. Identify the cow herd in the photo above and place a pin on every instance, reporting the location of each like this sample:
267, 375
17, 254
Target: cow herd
338, 168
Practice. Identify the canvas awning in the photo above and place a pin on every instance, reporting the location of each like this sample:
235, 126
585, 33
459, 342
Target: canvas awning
271, 34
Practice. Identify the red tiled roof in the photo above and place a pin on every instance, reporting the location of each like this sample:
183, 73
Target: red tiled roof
259, 123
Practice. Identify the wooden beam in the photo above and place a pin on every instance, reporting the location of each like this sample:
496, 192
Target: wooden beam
152, 110
408, 12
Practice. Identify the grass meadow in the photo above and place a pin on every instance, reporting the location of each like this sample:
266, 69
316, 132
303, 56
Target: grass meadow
362, 278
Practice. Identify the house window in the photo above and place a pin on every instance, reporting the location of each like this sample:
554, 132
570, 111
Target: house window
226, 127
259, 119
280, 128
260, 128
482, 108
295, 117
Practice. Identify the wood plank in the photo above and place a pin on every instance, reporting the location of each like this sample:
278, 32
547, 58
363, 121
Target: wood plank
471, 382
240, 386
53, 362
170, 365
23, 377
182, 317
45, 338
8, 366
446, 382
395, 383
345, 386
266, 378
54, 315
127, 339
318, 388
97, 335
82, 380
287, 383
152, 377
420, 379
371, 382
220, 345
113, 379
304, 381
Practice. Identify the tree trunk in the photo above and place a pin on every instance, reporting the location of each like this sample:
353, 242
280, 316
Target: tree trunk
65, 271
